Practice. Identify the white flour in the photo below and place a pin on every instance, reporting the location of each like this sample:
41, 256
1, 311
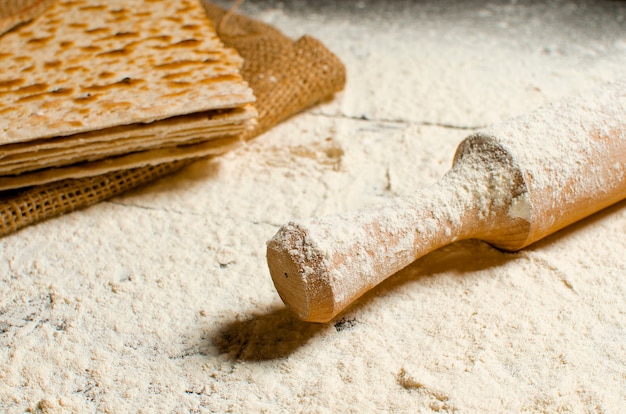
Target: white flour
161, 301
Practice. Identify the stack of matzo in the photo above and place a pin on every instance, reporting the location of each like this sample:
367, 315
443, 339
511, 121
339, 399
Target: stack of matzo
92, 86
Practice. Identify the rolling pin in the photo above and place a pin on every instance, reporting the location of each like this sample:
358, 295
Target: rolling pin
510, 185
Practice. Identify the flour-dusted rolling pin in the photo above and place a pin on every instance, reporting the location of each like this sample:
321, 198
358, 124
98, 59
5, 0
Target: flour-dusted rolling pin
510, 185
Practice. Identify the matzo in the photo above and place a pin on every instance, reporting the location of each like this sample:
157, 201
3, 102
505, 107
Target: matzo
133, 160
91, 65
90, 146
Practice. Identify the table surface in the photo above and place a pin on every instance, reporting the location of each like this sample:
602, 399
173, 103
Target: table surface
161, 301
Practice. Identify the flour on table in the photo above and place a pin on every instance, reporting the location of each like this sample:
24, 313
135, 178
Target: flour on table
161, 300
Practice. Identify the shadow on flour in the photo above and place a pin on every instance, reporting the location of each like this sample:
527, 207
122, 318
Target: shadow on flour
278, 333
263, 337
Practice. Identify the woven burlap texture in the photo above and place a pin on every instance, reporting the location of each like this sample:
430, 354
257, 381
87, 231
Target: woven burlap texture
286, 76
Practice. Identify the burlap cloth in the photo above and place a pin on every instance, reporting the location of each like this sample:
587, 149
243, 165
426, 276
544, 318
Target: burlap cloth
286, 76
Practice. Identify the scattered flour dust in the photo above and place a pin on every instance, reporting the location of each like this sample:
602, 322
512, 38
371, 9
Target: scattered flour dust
161, 300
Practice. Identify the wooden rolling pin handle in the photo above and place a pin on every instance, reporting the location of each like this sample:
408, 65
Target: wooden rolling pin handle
511, 185
320, 265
